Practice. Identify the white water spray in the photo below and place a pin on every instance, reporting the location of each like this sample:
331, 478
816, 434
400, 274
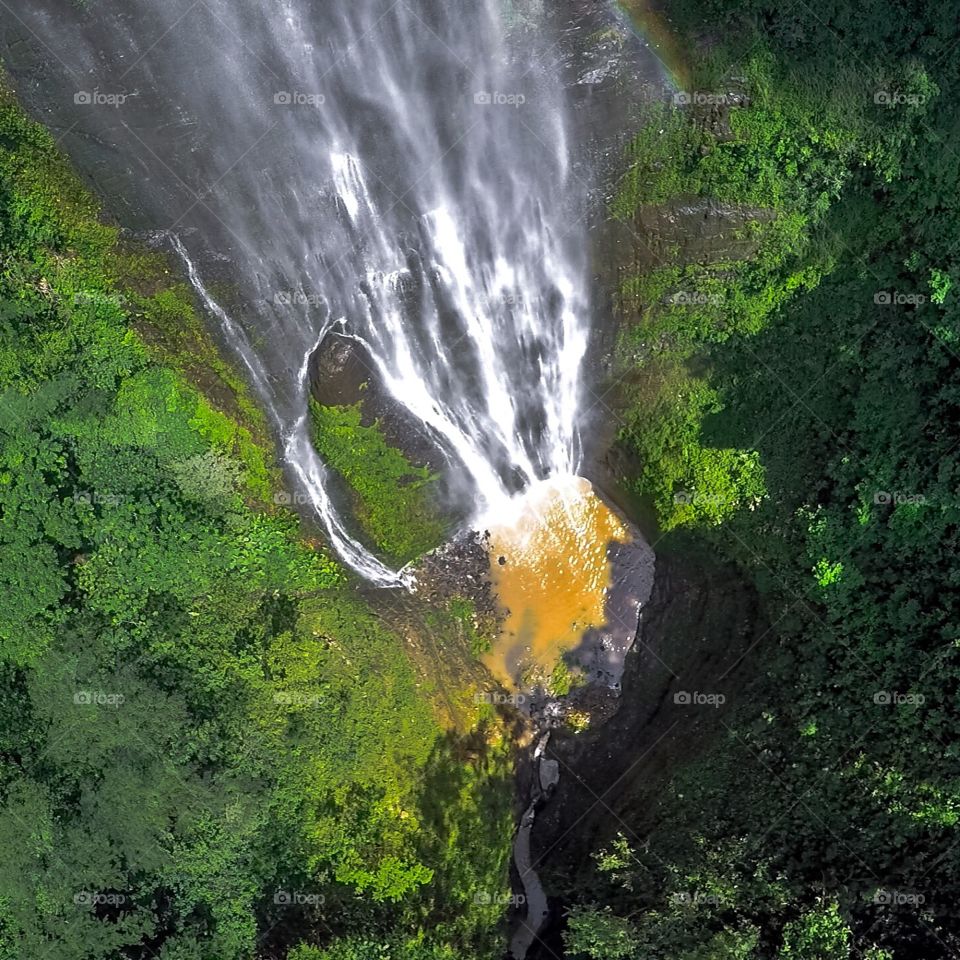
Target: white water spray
396, 170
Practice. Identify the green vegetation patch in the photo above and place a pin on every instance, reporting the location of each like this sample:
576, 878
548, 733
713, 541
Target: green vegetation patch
393, 496
776, 164
86, 299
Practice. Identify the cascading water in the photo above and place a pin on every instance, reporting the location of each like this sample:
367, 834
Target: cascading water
396, 169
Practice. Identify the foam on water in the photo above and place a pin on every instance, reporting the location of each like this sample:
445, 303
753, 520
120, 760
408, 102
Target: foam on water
551, 569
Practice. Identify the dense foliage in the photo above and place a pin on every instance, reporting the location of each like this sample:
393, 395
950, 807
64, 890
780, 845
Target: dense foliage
210, 748
796, 411
392, 496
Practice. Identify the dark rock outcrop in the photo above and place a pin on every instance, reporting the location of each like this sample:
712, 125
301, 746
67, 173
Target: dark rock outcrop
700, 622
460, 568
343, 374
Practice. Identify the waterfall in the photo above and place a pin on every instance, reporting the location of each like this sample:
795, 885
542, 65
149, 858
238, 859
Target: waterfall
397, 169
298, 451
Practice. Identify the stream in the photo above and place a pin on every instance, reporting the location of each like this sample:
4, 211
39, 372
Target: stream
546, 776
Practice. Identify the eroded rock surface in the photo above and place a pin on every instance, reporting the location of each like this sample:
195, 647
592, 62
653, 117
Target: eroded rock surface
602, 651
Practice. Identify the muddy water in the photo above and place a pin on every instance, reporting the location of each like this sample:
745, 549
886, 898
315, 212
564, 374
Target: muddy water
551, 569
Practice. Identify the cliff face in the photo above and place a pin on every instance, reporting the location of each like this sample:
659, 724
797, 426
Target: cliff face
684, 674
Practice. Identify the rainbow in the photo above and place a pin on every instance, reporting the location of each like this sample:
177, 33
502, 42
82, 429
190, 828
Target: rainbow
653, 28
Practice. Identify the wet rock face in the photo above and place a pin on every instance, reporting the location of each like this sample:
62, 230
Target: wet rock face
612, 77
603, 650
342, 373
460, 568
696, 230
339, 369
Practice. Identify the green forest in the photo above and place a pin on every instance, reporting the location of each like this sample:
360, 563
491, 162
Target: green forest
214, 744
794, 412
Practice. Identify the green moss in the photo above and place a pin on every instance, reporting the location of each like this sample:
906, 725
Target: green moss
661, 162
392, 495
479, 636
788, 156
561, 680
